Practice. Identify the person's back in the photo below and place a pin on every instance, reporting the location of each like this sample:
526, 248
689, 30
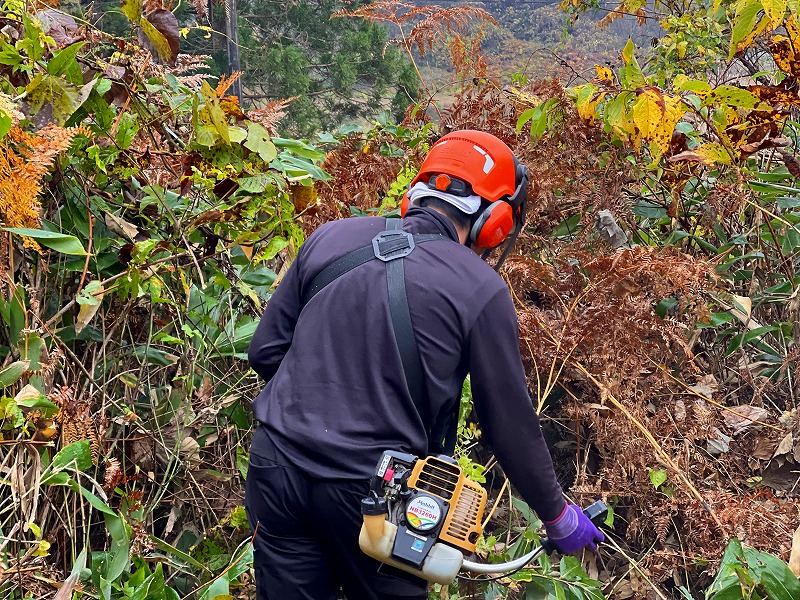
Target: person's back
346, 401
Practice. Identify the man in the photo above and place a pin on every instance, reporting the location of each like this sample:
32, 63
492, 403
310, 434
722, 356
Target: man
339, 389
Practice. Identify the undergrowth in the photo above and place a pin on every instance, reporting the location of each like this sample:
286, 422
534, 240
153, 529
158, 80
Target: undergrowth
147, 216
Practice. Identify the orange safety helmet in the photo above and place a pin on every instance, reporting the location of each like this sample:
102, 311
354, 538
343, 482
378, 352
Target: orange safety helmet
492, 171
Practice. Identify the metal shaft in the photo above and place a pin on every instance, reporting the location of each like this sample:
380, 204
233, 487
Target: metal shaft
505, 567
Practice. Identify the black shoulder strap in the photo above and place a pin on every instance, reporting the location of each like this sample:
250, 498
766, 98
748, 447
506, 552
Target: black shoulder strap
389, 246
404, 329
356, 258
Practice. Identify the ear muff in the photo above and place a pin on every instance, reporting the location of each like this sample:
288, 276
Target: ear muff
404, 205
493, 225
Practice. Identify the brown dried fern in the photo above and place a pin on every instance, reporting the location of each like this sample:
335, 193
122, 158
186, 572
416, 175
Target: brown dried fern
24, 161
75, 419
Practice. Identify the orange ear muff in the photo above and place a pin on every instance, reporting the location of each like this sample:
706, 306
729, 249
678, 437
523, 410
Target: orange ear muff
493, 225
404, 205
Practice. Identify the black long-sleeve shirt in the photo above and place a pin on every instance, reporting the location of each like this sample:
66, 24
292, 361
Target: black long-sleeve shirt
336, 395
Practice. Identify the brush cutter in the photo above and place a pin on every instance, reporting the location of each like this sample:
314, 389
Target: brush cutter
423, 516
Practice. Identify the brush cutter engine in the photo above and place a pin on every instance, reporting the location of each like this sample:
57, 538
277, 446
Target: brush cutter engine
422, 515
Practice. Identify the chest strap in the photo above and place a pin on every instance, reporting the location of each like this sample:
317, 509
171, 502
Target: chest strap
389, 246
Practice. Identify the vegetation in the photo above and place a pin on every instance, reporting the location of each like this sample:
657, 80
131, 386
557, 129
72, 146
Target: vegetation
338, 71
146, 216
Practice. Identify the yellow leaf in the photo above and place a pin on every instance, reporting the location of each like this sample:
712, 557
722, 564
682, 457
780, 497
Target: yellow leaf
247, 249
708, 154
43, 549
586, 100
648, 111
775, 11
522, 96
674, 110
133, 10
604, 75
215, 115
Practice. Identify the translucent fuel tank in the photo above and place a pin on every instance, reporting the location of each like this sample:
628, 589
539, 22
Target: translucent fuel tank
377, 539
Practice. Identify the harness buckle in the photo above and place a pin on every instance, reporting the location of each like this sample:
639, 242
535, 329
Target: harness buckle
389, 245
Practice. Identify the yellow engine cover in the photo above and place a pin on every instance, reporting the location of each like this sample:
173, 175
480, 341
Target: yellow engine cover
467, 499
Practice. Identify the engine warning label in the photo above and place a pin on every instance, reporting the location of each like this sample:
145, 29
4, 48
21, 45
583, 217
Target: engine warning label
423, 513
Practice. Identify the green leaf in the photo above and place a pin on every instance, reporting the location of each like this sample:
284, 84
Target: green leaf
32, 42
78, 455
169, 549
716, 320
61, 96
257, 183
747, 12
237, 134
683, 84
120, 547
631, 76
128, 127
11, 374
524, 118
757, 333
731, 592
275, 245
39, 402
57, 479
242, 461
10, 414
787, 201
218, 587
154, 356
64, 59
205, 135
299, 148
9, 55
258, 141
732, 96
658, 477
88, 295
298, 167
5, 123
61, 242
96, 502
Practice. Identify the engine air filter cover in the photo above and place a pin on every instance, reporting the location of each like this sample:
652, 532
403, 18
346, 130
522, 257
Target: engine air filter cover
424, 513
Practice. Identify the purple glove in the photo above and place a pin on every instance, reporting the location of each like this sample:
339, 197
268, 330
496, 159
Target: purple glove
573, 531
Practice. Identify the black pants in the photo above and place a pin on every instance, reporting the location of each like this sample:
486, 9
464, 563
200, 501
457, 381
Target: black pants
306, 546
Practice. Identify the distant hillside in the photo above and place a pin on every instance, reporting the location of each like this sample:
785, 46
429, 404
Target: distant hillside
535, 38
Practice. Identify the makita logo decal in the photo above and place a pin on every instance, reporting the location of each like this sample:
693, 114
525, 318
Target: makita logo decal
423, 513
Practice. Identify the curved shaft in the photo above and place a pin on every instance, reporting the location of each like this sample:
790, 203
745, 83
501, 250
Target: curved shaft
505, 567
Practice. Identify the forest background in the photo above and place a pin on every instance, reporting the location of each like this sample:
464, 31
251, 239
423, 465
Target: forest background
147, 214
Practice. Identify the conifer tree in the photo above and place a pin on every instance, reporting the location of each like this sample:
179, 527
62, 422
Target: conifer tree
339, 70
